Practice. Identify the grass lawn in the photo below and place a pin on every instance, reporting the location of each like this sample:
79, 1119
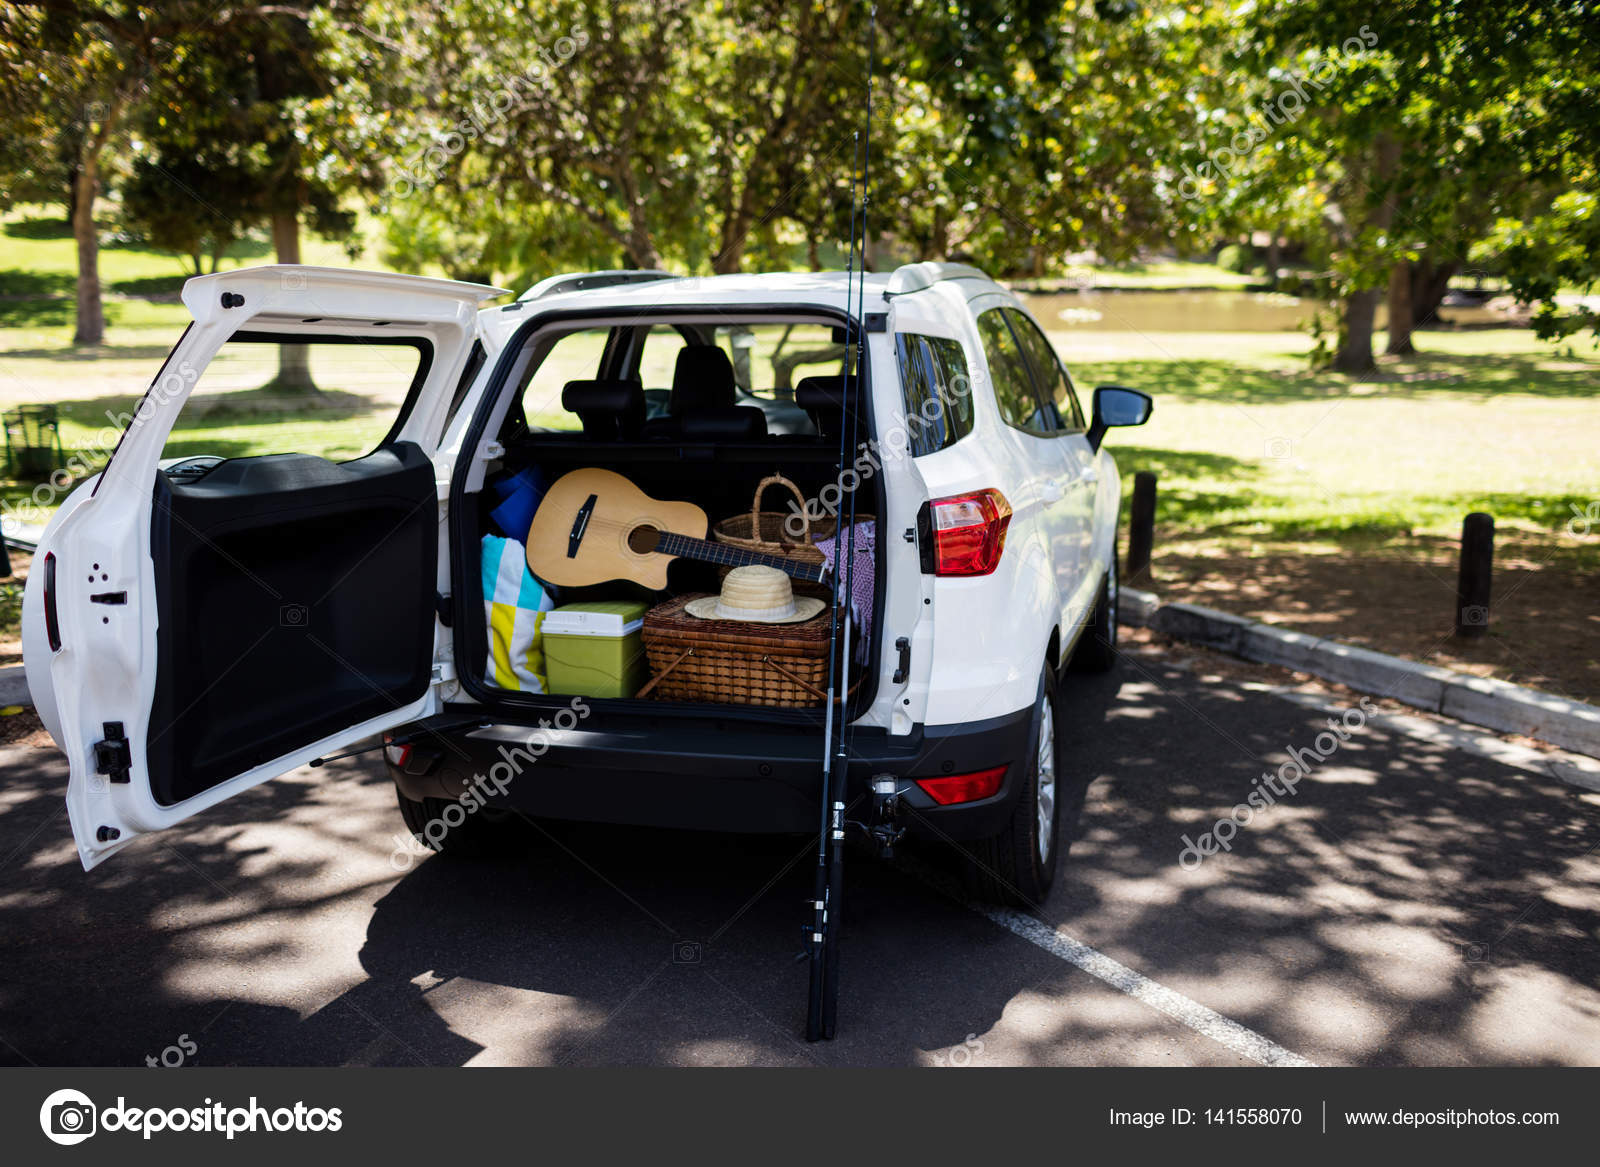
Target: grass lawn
1333, 505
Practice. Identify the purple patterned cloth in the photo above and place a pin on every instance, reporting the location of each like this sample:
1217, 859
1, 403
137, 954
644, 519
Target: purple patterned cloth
864, 576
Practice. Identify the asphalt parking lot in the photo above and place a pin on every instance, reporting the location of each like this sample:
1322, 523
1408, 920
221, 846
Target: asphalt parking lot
1427, 896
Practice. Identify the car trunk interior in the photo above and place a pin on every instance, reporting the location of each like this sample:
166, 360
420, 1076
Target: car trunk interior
709, 453
721, 479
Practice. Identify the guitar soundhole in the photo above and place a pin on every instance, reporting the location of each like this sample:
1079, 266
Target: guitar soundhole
644, 539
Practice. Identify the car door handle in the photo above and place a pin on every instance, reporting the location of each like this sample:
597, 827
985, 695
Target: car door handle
1091, 475
1050, 490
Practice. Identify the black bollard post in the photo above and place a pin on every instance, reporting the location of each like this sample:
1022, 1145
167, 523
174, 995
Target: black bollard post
1141, 527
1477, 566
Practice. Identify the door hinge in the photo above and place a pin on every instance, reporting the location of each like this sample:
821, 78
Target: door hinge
443, 672
112, 756
441, 605
491, 451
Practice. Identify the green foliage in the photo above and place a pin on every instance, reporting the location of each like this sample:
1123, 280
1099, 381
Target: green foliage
1234, 257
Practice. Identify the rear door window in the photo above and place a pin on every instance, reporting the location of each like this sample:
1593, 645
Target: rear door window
1054, 384
1014, 393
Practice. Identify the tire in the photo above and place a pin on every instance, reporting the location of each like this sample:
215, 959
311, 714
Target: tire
1097, 648
1017, 867
469, 838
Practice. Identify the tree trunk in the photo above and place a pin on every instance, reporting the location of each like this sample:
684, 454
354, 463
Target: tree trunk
813, 253
1355, 340
641, 246
730, 257
91, 326
1429, 283
1400, 317
1361, 305
294, 360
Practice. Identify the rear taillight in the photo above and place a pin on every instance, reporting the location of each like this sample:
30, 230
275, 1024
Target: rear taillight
969, 532
950, 788
399, 756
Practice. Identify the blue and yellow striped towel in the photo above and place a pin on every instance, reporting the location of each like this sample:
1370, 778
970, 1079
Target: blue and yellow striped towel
514, 604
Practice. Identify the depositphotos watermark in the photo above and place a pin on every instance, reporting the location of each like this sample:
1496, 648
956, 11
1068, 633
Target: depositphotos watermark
408, 848
1271, 787
508, 95
82, 462
69, 1117
1282, 109
873, 454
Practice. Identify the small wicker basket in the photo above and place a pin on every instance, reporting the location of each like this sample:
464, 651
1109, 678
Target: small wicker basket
735, 662
766, 531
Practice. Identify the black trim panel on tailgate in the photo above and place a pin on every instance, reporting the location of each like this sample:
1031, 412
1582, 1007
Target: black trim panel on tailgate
295, 598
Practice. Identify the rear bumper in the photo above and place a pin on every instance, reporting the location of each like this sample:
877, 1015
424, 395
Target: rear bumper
706, 774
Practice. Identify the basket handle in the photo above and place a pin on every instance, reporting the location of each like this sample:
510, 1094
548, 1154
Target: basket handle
755, 510
662, 675
806, 685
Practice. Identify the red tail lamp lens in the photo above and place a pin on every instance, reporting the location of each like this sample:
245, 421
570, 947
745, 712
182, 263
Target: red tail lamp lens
969, 532
953, 788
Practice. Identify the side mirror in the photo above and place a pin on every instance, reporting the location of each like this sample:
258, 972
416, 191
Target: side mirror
1114, 405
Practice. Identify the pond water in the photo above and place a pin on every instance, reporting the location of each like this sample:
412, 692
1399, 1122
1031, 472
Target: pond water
1219, 311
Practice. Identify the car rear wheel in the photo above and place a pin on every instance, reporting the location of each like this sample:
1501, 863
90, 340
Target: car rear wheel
444, 826
1017, 867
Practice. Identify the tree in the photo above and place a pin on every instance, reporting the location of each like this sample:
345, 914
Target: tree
78, 71
227, 141
1426, 125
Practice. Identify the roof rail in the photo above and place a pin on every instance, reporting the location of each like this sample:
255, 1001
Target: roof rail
583, 281
913, 277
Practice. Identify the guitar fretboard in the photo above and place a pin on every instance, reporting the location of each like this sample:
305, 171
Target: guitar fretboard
704, 549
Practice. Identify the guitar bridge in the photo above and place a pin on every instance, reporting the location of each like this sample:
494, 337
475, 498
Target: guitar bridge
580, 524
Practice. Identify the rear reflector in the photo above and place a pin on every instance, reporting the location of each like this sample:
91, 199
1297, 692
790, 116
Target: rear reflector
969, 532
952, 788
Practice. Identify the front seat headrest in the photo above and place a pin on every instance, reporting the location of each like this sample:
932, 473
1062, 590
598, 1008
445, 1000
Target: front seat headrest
702, 379
731, 423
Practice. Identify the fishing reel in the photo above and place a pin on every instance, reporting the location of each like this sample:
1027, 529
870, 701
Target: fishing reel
884, 828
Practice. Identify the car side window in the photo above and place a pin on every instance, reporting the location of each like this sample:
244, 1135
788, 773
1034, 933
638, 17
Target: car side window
1019, 405
936, 391
1054, 383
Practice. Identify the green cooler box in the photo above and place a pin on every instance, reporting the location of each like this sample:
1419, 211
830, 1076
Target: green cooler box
595, 649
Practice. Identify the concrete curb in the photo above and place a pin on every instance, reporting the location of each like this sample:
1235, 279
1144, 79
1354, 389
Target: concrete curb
1494, 705
14, 686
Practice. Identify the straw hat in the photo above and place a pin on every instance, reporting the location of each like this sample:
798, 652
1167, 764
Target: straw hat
757, 595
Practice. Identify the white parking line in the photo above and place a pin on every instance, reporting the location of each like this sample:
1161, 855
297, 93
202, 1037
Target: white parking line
1207, 1022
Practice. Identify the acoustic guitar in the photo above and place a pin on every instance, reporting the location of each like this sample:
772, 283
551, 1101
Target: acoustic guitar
594, 526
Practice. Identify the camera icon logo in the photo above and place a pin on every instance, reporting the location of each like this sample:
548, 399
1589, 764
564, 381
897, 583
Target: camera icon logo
1475, 616
294, 616
1280, 449
67, 1117
294, 281
686, 951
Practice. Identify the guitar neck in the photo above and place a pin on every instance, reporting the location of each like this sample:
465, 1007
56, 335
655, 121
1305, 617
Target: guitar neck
723, 553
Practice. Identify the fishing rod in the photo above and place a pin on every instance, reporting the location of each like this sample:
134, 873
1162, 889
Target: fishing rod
828, 893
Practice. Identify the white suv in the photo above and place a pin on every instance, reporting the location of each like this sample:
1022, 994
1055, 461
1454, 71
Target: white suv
196, 626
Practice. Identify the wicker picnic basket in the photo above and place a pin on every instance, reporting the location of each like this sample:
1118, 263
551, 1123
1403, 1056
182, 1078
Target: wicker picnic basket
735, 662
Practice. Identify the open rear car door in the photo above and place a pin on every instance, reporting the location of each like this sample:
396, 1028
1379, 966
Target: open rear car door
190, 633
